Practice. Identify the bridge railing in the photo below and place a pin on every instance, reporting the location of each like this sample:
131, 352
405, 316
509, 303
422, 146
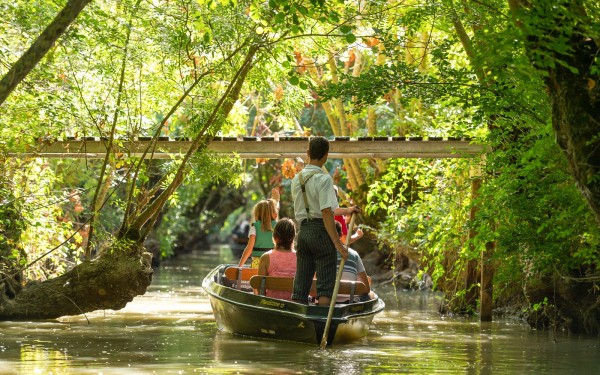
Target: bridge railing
264, 147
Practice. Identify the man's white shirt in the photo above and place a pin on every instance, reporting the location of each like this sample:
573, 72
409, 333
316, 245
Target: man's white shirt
319, 182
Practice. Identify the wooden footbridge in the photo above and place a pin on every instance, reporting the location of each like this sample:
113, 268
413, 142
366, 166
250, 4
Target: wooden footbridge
291, 147
265, 147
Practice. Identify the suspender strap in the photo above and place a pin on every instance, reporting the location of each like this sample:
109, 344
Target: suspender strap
303, 187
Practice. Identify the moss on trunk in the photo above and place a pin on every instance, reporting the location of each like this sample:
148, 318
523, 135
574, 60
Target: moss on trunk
575, 96
108, 282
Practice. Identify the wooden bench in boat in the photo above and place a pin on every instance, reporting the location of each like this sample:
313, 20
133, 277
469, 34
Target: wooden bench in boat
241, 275
262, 283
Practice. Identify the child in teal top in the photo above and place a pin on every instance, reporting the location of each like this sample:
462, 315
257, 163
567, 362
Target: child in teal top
260, 237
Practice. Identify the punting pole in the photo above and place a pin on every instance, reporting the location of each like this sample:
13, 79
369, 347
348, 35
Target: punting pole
337, 284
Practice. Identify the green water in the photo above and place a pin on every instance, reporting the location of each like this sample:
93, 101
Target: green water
171, 330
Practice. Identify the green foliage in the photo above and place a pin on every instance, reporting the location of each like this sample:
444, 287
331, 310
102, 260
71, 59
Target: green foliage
425, 206
12, 222
206, 171
31, 225
545, 226
447, 81
539, 306
418, 75
528, 204
77, 91
550, 28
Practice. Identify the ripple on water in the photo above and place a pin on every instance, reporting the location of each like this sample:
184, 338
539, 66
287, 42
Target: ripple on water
171, 329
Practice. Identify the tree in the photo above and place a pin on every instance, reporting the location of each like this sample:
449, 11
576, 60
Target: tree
123, 269
563, 42
116, 74
507, 102
40, 47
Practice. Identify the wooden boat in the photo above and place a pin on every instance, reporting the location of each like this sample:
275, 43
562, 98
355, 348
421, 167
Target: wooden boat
238, 310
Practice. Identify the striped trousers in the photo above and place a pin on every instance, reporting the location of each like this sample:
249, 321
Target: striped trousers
314, 253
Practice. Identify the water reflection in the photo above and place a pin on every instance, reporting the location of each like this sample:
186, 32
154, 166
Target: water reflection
171, 329
41, 360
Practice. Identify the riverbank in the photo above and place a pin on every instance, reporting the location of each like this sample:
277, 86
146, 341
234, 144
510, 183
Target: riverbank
566, 306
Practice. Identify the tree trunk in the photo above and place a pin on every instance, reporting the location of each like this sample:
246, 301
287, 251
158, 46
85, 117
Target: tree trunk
139, 228
576, 117
40, 47
371, 113
573, 88
353, 164
109, 282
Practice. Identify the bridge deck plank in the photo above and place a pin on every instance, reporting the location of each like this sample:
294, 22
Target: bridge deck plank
250, 148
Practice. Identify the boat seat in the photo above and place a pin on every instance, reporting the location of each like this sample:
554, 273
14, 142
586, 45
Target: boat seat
262, 283
234, 274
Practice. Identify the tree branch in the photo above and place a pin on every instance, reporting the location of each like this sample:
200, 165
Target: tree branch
40, 47
95, 202
222, 107
152, 146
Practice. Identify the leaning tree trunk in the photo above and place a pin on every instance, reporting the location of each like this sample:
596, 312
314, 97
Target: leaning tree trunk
108, 282
576, 117
573, 84
40, 47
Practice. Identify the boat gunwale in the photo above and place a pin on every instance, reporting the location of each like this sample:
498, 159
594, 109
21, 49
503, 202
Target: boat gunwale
377, 305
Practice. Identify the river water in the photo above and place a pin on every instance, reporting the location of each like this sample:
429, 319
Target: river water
171, 330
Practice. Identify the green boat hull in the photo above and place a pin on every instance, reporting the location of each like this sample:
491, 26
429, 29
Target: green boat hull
251, 315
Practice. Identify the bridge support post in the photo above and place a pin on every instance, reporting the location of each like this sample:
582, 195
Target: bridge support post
481, 272
486, 265
487, 274
472, 276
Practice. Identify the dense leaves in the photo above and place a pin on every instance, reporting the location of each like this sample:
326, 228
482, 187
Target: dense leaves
515, 77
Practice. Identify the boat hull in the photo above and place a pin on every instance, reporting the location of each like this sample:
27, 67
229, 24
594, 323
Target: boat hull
247, 314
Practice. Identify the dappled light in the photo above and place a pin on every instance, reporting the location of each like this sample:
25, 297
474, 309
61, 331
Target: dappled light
460, 137
171, 329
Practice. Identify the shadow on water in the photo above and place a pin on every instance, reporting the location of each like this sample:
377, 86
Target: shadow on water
171, 329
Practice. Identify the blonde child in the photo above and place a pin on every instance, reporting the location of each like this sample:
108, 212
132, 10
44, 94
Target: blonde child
260, 237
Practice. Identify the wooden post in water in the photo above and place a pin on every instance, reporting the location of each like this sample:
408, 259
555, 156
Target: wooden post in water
486, 266
472, 277
487, 274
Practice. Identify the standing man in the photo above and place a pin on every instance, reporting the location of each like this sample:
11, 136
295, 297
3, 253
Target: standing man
315, 204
